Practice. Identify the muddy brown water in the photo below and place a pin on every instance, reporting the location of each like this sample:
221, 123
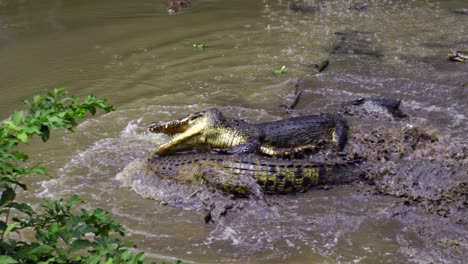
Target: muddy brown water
142, 60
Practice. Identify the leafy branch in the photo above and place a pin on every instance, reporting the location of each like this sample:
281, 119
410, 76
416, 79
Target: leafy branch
62, 233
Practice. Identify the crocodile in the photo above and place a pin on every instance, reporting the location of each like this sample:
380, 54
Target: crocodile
211, 129
248, 175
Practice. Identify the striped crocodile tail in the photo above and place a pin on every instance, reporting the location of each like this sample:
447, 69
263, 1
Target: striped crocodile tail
245, 175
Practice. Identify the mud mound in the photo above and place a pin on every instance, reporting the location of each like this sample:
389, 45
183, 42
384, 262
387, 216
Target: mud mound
417, 164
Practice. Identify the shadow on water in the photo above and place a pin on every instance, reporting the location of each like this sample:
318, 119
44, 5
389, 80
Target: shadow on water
411, 205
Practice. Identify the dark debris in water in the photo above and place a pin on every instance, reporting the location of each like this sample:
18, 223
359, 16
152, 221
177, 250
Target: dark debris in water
459, 11
302, 8
360, 6
320, 67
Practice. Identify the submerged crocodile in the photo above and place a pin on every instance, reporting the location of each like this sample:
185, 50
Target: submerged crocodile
373, 105
210, 129
245, 175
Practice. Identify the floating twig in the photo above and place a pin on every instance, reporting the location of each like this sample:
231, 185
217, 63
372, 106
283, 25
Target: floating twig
320, 67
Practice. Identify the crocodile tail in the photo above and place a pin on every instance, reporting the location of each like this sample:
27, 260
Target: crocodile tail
340, 173
341, 130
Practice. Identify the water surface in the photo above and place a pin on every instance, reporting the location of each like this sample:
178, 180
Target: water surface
142, 60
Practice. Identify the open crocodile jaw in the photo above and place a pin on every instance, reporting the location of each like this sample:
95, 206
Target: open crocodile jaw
175, 126
182, 130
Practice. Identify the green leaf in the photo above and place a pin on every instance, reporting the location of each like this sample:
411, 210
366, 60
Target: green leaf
32, 130
56, 120
126, 255
75, 199
109, 108
79, 244
3, 225
11, 125
20, 155
8, 229
84, 229
38, 99
50, 260
66, 99
92, 110
12, 179
17, 117
22, 137
65, 235
53, 228
59, 91
22, 207
94, 258
8, 195
139, 257
7, 260
39, 170
5, 166
45, 133
33, 251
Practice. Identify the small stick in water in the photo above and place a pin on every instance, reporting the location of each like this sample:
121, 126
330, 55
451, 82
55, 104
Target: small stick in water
296, 101
320, 67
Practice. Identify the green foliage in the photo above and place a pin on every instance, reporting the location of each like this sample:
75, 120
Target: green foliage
46, 113
63, 234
